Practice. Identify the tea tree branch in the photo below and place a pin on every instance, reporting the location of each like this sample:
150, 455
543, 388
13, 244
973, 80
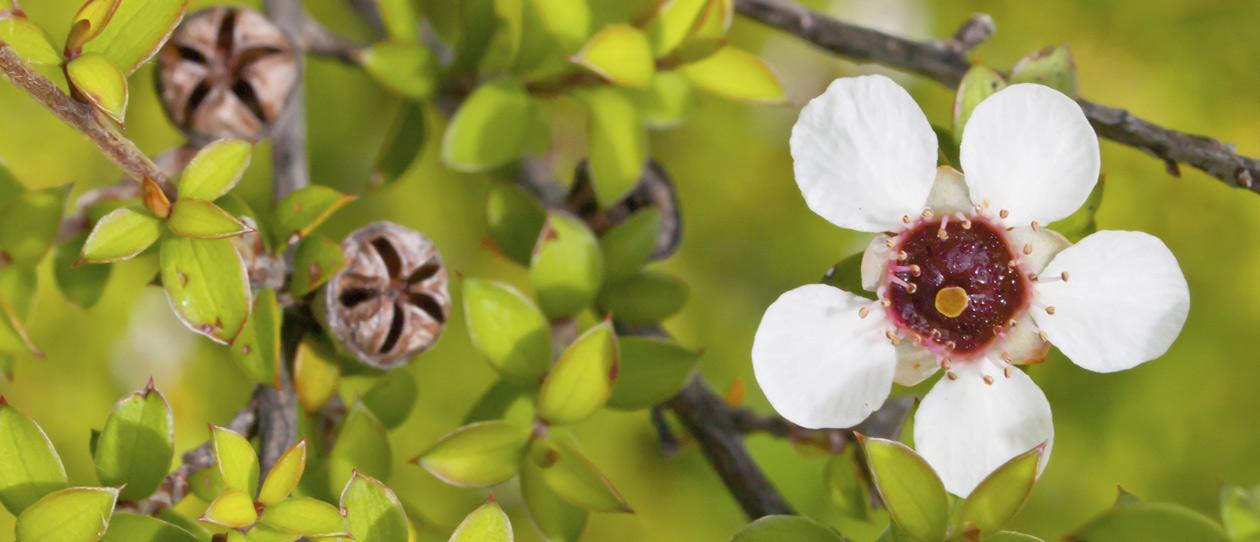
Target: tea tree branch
946, 62
82, 117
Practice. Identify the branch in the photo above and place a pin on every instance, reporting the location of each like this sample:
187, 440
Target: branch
82, 117
316, 39
946, 62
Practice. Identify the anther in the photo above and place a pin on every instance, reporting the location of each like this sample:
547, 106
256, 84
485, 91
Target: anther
1044, 337
886, 302
912, 288
916, 340
905, 218
890, 242
1050, 310
1036, 226
936, 333
1004, 213
1032, 277
942, 234
864, 312
952, 375
916, 271
997, 330
1064, 276
1006, 356
902, 255
988, 380
1008, 371
1011, 323
950, 345
1028, 248
893, 338
946, 364
927, 213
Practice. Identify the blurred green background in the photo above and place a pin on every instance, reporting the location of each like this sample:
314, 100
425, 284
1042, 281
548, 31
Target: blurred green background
1170, 430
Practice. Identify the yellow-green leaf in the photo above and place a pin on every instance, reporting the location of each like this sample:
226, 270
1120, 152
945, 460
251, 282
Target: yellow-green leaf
362, 446
1051, 66
316, 373
91, 19
137, 30
232, 509
1000, 496
303, 210
29, 39
120, 235
284, 475
567, 268
137, 444
316, 260
490, 128
405, 67
478, 455
81, 284
978, 83
215, 170
514, 218
674, 21
392, 397
200, 219
648, 297
134, 528
485, 524
786, 528
237, 461
617, 142
627, 246
667, 102
18, 284
78, 514
619, 53
372, 511
913, 493
736, 74
574, 478
29, 222
650, 371
305, 516
207, 285
29, 465
402, 146
715, 20
582, 379
508, 329
554, 517
256, 349
1143, 522
99, 80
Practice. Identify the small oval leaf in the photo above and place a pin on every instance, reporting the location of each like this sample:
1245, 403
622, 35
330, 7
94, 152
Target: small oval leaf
134, 528
372, 511
256, 349
913, 493
667, 102
582, 379
82, 284
783, 528
78, 514
515, 218
120, 235
237, 460
567, 268
1144, 522
136, 31
316, 373
574, 478
99, 80
306, 517
284, 475
650, 372
232, 509
1052, 66
29, 465
1002, 494
508, 329
619, 53
628, 246
303, 210
485, 524
646, 298
490, 128
207, 285
392, 397
403, 145
618, 143
316, 260
29, 223
736, 74
29, 39
362, 446
404, 67
978, 83
478, 455
200, 219
554, 517
673, 22
137, 444
215, 170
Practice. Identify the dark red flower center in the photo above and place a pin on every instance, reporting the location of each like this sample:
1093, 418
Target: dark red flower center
959, 285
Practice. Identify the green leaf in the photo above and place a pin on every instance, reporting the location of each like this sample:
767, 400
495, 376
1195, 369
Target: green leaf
505, 401
574, 478
628, 246
284, 475
508, 329
91, 19
478, 455
400, 19
28, 224
403, 144
567, 268
29, 465
485, 524
715, 21
736, 74
1000, 495
647, 298
372, 511
100, 81
1240, 512
303, 210
1081, 223
978, 83
78, 514
200, 219
618, 143
29, 40
199, 532
18, 284
134, 528
392, 397
232, 509
361, 447
316, 373
82, 284
847, 485
137, 30
206, 483
667, 102
569, 23
305, 516
215, 170
674, 21
1051, 66
256, 349
582, 379
490, 128
207, 285
237, 461
651, 371
137, 444
265, 533
621, 54
316, 260
120, 235
555, 518
911, 490
1007, 536
784, 528
1149, 523
847, 276
515, 218
404, 67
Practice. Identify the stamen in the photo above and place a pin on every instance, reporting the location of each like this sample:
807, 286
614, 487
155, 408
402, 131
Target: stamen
890, 242
902, 255
952, 375
1044, 337
1036, 226
1004, 213
1011, 323
905, 218
946, 364
1050, 310
942, 233
927, 213
1008, 372
966, 222
1028, 248
912, 288
886, 302
1064, 276
988, 380
916, 270
1032, 277
1006, 356
897, 280
864, 312
916, 340
892, 337
951, 345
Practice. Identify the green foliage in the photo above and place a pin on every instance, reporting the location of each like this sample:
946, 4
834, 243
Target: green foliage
1149, 523
785, 528
362, 446
554, 517
121, 235
490, 129
1240, 512
847, 486
478, 455
256, 349
284, 475
617, 142
137, 444
232, 509
215, 170
1001, 495
574, 478
485, 524
199, 219
77, 514
651, 371
237, 462
621, 54
979, 83
28, 224
81, 284
911, 490
515, 218
137, 30
134, 528
1051, 66
316, 260
303, 210
392, 397
847, 276
90, 21
566, 269
29, 40
316, 373
582, 379
673, 22
373, 513
96, 78
645, 298
403, 144
29, 466
667, 102
306, 517
207, 285
735, 74
404, 67
629, 245
508, 329
17, 292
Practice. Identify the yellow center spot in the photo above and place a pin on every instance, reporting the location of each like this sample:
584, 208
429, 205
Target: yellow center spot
951, 301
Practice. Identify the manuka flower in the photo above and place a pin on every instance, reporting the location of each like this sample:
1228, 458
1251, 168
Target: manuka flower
967, 279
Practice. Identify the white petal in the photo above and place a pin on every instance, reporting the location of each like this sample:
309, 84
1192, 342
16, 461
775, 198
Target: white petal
864, 154
1123, 304
818, 362
875, 262
1023, 343
966, 429
1046, 245
914, 364
949, 193
1029, 149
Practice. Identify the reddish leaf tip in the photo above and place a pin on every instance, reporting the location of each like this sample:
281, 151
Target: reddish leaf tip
149, 387
491, 499
3, 402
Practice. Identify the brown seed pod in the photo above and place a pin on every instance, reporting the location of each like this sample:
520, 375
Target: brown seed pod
390, 301
227, 72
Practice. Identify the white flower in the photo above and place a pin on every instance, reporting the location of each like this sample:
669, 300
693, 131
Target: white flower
967, 279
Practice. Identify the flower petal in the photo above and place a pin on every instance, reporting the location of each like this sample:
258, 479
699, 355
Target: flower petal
966, 428
1023, 343
1029, 150
914, 364
949, 193
1046, 245
818, 362
864, 154
875, 262
1123, 304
